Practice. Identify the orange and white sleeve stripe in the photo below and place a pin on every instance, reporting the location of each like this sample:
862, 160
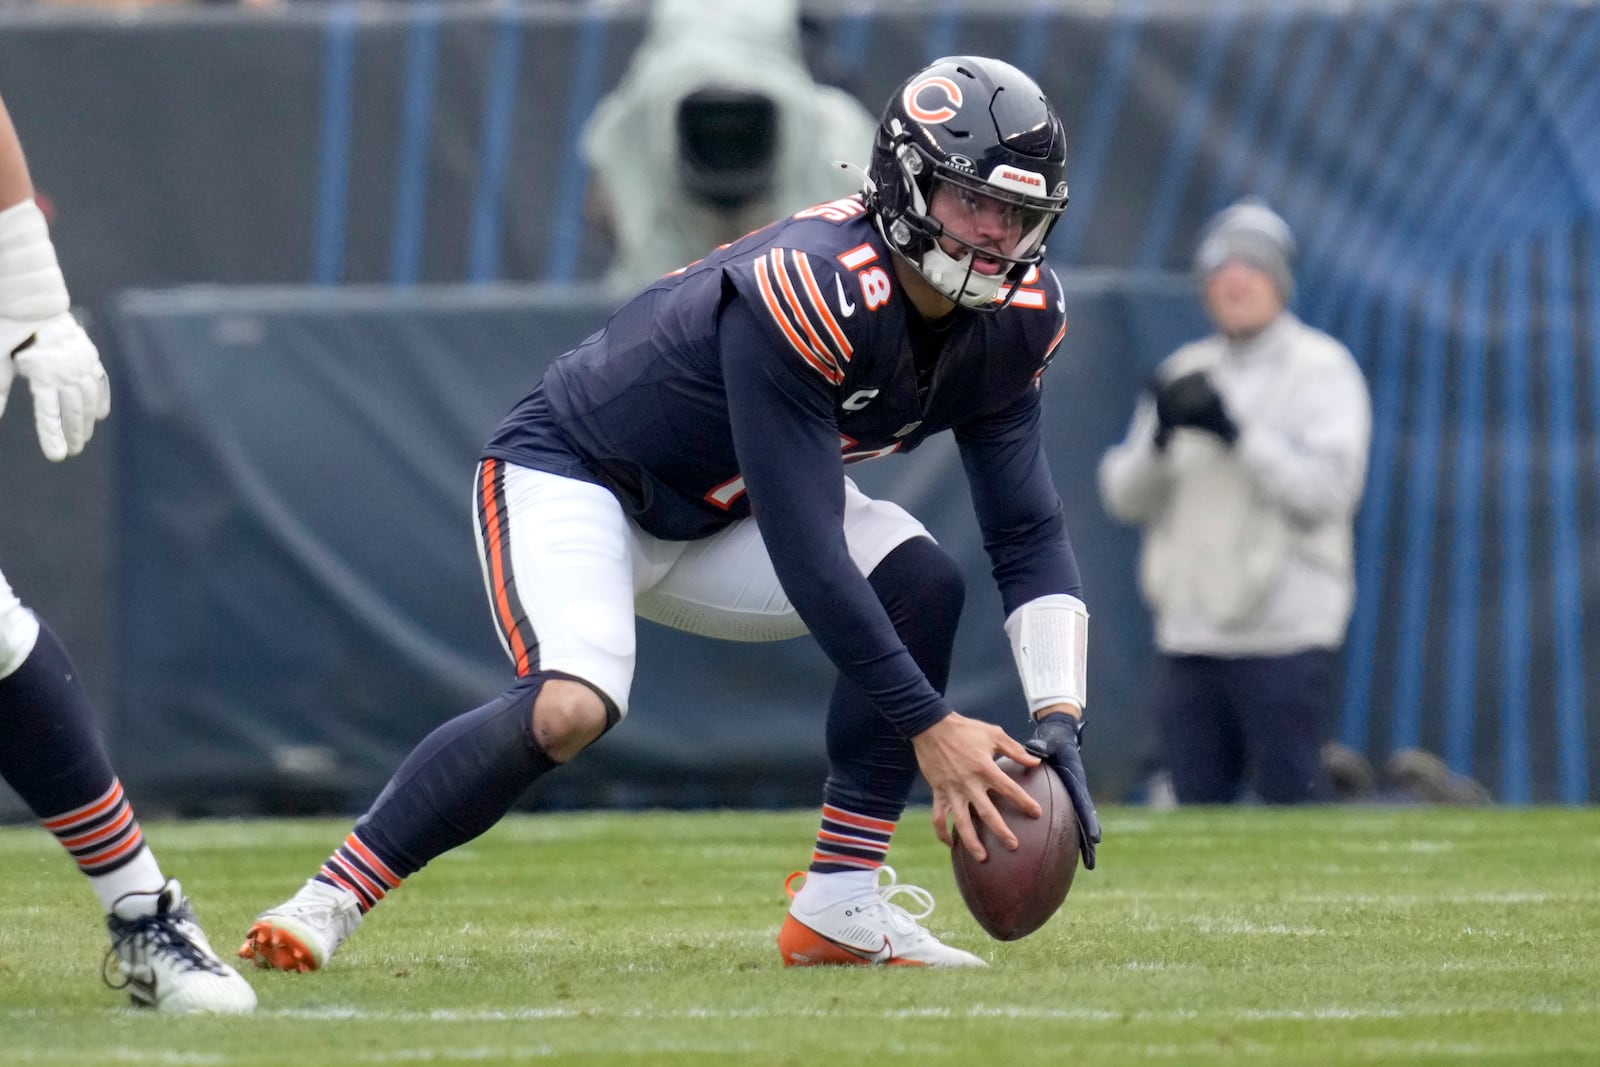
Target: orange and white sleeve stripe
1050, 351
790, 294
1055, 341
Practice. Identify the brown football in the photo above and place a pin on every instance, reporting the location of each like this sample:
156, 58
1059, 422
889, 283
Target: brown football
1012, 894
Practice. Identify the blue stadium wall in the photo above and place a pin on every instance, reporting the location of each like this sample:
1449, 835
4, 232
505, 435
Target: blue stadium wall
270, 610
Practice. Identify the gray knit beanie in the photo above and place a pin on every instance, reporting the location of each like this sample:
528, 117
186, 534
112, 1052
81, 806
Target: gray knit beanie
1250, 231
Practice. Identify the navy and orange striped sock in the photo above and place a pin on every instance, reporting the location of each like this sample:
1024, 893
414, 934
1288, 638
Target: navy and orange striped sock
458, 782
356, 868
104, 838
101, 835
108, 845
848, 841
51, 754
849, 852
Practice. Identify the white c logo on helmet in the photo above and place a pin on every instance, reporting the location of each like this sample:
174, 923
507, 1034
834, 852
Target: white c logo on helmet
943, 111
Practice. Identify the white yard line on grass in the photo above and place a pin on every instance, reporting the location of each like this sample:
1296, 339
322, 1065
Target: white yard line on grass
1334, 1013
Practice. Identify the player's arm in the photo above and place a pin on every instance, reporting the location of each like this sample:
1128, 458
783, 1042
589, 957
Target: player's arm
39, 339
789, 456
16, 184
1024, 533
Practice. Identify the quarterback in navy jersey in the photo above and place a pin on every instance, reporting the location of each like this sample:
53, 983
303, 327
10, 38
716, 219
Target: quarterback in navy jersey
687, 464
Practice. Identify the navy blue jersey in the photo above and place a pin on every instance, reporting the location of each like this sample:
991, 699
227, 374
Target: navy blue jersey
740, 386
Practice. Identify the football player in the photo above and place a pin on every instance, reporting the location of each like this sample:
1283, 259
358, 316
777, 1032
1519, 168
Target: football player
686, 464
50, 750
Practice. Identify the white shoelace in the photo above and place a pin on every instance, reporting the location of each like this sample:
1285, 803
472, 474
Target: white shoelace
896, 888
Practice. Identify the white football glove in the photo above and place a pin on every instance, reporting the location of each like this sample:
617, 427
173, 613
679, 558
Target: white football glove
69, 386
42, 342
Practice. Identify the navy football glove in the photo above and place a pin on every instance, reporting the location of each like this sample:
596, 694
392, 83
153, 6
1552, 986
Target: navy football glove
1056, 740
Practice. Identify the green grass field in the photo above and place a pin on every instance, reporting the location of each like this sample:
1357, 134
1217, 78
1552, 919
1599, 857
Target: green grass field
1405, 936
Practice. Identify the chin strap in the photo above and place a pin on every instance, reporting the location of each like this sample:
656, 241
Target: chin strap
956, 279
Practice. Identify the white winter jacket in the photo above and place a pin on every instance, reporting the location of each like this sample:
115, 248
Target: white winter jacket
1247, 550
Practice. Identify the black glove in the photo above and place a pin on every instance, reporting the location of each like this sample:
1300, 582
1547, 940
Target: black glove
1056, 740
1191, 400
1164, 428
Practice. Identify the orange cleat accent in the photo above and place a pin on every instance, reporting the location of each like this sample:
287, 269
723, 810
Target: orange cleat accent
866, 930
802, 946
275, 949
303, 932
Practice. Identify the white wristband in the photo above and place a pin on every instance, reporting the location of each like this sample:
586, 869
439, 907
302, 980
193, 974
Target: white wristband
1050, 642
31, 286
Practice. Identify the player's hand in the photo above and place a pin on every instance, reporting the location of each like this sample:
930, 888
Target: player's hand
957, 757
1057, 739
69, 386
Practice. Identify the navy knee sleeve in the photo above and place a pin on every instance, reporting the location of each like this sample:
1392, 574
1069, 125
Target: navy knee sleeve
50, 747
871, 767
458, 782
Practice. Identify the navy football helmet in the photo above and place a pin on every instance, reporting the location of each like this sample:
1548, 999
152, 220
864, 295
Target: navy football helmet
978, 134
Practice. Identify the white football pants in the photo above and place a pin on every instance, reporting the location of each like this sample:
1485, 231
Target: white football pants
19, 630
567, 572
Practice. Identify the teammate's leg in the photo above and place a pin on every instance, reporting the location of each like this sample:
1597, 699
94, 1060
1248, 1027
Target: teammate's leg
51, 754
557, 567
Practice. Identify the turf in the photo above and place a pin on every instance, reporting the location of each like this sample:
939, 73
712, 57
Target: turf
1404, 936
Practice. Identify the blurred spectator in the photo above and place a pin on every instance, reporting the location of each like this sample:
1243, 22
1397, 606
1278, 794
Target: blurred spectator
716, 128
1244, 465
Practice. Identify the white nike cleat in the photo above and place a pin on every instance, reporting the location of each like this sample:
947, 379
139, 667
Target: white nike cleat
868, 930
302, 932
164, 959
